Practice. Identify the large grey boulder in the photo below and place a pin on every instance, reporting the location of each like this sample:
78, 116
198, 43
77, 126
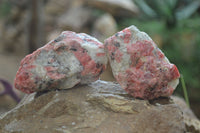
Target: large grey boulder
101, 107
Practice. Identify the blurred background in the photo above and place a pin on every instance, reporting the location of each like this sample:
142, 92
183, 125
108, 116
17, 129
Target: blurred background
174, 25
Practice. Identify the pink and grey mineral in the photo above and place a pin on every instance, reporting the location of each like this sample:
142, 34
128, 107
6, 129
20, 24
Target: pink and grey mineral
139, 66
62, 63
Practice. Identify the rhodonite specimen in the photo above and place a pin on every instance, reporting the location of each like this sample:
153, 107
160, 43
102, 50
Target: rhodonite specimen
62, 63
139, 66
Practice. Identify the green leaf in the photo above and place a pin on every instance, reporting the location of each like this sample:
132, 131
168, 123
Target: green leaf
171, 3
146, 9
5, 8
185, 91
165, 8
187, 11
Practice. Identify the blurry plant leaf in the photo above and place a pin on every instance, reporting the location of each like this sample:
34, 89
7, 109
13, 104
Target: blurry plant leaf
187, 11
162, 8
165, 8
5, 8
146, 9
185, 91
171, 3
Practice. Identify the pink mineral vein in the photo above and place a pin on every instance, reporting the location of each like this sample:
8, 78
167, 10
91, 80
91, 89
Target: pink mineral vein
62, 63
139, 66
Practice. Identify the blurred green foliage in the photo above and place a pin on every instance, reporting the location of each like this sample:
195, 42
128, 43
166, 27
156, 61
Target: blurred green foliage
171, 11
5, 8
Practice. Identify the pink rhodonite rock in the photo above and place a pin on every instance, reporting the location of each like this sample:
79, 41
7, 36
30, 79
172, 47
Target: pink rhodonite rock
64, 62
139, 65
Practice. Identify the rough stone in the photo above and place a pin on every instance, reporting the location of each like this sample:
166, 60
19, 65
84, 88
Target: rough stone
191, 121
139, 66
62, 63
119, 8
100, 107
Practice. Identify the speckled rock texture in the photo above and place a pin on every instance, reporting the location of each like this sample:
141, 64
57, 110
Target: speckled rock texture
139, 66
62, 63
100, 107
191, 121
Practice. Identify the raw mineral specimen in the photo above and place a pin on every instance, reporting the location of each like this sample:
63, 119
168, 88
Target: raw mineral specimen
139, 65
64, 62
